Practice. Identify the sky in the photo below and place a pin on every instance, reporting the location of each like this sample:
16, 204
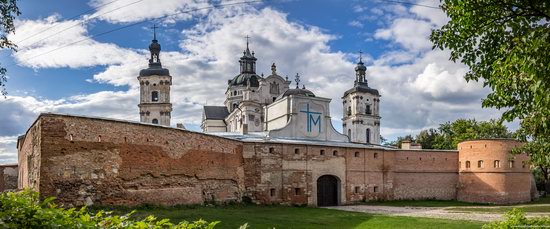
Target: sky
83, 57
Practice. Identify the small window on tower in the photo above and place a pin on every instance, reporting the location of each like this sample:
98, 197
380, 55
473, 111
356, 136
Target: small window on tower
155, 121
155, 96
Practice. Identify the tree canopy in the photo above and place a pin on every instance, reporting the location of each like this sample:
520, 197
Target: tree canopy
506, 45
449, 134
8, 12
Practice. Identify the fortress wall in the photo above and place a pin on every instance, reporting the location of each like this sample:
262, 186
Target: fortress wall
490, 181
367, 174
8, 177
425, 174
96, 161
29, 157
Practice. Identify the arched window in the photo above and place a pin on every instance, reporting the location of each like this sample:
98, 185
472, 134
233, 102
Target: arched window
480, 164
367, 110
511, 163
349, 111
349, 133
155, 96
467, 164
155, 121
234, 106
496, 164
368, 135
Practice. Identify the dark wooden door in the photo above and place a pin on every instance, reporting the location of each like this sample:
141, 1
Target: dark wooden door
327, 191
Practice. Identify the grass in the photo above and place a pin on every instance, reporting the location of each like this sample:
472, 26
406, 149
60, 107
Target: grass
502, 209
290, 217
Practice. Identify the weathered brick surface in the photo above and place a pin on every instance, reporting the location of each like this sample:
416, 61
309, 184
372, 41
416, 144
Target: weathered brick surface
95, 161
86, 161
8, 177
493, 182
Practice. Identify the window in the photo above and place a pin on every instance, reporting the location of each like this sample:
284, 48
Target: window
356, 154
335, 153
322, 152
271, 149
496, 164
511, 163
356, 189
274, 98
367, 110
349, 133
251, 117
349, 111
155, 121
459, 164
272, 192
467, 164
480, 164
297, 191
155, 96
375, 188
368, 135
375, 155
296, 151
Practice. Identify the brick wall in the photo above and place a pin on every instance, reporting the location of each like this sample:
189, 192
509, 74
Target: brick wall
491, 177
93, 161
8, 177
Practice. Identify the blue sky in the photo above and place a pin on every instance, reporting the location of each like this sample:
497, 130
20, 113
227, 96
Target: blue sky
319, 39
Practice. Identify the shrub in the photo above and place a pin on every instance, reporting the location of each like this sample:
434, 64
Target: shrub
25, 210
515, 218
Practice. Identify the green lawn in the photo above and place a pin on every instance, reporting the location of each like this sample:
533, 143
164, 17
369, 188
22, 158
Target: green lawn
504, 209
292, 217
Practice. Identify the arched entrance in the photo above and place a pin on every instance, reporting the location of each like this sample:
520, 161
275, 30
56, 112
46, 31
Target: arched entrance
327, 190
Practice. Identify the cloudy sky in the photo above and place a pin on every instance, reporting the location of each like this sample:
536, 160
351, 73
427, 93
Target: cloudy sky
81, 57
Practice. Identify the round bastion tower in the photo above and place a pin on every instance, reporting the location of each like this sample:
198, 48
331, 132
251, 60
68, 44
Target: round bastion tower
489, 173
154, 85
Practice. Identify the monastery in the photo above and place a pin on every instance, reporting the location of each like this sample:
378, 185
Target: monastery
272, 141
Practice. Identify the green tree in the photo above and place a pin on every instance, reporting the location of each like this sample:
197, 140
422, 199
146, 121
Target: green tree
506, 44
8, 12
452, 133
426, 138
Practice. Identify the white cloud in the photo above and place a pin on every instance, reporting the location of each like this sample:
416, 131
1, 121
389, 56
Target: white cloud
411, 34
47, 50
124, 11
355, 23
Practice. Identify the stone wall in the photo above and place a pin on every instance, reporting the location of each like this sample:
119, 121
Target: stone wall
8, 177
97, 161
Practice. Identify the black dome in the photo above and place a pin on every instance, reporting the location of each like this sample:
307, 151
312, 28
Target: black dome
297, 91
154, 70
243, 79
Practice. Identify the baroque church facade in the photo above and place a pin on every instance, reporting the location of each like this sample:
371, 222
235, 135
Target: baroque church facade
270, 143
255, 103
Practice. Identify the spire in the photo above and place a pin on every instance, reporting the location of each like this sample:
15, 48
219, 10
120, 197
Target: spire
154, 48
360, 71
155, 32
248, 61
297, 81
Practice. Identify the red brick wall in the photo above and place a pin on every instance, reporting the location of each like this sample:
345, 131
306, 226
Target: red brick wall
85, 161
489, 184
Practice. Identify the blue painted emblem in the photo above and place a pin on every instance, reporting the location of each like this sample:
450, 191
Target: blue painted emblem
313, 119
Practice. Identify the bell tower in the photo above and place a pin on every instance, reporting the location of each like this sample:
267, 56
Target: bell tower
154, 84
361, 121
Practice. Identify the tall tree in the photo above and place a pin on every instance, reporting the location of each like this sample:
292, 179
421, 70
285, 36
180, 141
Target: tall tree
506, 44
8, 12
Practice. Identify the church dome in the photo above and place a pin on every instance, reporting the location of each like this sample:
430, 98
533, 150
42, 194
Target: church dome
297, 91
360, 66
243, 79
154, 70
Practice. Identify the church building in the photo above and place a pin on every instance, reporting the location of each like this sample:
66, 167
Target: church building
269, 106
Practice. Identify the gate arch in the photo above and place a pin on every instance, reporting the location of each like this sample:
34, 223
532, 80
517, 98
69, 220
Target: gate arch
328, 190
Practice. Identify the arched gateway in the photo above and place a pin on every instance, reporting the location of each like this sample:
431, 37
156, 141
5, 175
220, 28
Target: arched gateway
327, 190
